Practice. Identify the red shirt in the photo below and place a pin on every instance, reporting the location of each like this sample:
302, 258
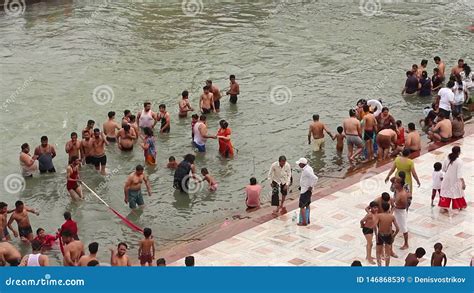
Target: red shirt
71, 226
401, 136
47, 241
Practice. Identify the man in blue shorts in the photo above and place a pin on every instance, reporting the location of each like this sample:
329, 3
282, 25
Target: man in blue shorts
133, 188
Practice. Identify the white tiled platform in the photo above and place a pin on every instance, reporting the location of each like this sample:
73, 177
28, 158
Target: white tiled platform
334, 237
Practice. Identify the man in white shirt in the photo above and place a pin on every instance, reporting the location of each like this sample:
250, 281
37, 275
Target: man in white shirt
280, 178
307, 180
446, 99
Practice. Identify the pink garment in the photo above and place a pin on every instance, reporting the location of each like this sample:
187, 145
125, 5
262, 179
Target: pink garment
253, 195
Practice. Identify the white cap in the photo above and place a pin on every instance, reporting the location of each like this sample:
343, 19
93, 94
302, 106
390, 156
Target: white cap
302, 161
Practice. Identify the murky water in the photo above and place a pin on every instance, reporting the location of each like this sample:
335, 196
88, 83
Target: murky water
327, 53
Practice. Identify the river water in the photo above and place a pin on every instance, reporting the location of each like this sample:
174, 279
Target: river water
325, 55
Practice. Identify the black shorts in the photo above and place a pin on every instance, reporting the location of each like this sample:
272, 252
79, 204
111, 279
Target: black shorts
111, 139
445, 113
233, 99
206, 111
25, 231
52, 170
384, 239
167, 130
89, 160
305, 199
368, 135
97, 161
276, 189
367, 231
14, 262
181, 185
217, 105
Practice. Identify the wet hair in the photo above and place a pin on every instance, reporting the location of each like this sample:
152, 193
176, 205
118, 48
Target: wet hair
356, 263
434, 106
195, 116
414, 66
171, 159
44, 138
450, 84
147, 232
204, 171
281, 158
122, 244
467, 69
190, 158
66, 233
385, 196
424, 74
36, 245
67, 215
73, 134
441, 115
420, 252
38, 230
232, 76
73, 159
209, 81
146, 104
189, 261
160, 261
315, 117
436, 70
148, 131
385, 206
406, 152
373, 204
409, 73
3, 204
96, 130
437, 166
436, 58
366, 108
253, 181
455, 151
93, 247
202, 118
126, 112
340, 129
90, 122
24, 146
411, 126
224, 124
384, 109
424, 62
392, 127
132, 118
126, 127
461, 60
352, 112
206, 88
401, 177
399, 123
438, 246
18, 203
139, 168
93, 263
162, 106
111, 114
185, 94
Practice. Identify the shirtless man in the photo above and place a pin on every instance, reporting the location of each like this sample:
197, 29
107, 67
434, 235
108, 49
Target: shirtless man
216, 93
442, 131
35, 258
234, 90
164, 118
146, 118
20, 216
206, 103
412, 140
120, 258
184, 105
4, 235
126, 137
45, 154
73, 249
368, 224
316, 130
385, 139
86, 148
110, 127
413, 259
370, 129
73, 147
422, 67
99, 158
400, 210
85, 259
133, 188
134, 125
441, 67
126, 117
384, 234
385, 197
9, 254
458, 68
90, 127
353, 131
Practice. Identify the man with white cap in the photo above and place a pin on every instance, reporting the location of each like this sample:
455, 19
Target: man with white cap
307, 180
